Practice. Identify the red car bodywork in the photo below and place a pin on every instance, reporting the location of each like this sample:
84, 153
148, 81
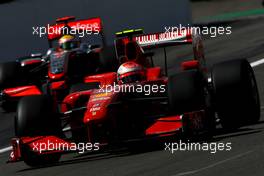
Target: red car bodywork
97, 118
97, 113
22, 91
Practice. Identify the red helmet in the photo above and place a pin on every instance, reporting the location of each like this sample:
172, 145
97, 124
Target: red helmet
130, 72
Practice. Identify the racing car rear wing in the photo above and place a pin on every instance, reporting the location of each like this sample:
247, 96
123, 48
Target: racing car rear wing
91, 25
163, 40
157, 40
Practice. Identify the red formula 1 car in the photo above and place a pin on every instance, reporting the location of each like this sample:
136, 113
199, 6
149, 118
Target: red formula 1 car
64, 65
138, 102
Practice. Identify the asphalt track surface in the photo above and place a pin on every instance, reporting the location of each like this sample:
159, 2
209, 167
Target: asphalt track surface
245, 158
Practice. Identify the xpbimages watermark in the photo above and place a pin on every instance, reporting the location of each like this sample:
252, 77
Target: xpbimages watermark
63, 146
211, 147
212, 31
147, 89
80, 30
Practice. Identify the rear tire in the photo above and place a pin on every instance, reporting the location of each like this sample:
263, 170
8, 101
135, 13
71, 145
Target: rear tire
236, 96
36, 116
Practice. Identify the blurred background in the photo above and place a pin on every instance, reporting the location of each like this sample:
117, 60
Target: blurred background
215, 10
19, 16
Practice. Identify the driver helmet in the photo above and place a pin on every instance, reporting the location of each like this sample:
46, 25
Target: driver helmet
130, 72
68, 42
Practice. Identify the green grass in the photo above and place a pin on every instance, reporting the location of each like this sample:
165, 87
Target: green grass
234, 15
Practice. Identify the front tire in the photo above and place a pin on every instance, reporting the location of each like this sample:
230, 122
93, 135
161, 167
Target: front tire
36, 116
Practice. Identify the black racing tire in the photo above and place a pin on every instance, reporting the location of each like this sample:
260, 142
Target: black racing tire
36, 116
10, 74
8, 106
83, 86
236, 96
185, 92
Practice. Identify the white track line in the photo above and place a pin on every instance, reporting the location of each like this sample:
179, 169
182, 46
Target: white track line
253, 64
213, 165
6, 149
66, 129
258, 62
